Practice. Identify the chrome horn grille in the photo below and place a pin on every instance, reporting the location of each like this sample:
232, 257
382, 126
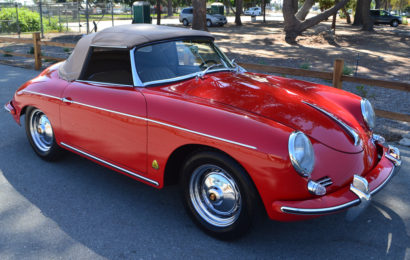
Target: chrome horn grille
325, 181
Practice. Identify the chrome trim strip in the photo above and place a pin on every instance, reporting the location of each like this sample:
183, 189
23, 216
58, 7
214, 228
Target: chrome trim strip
392, 173
300, 211
110, 164
202, 134
349, 130
154, 121
41, 94
192, 75
105, 83
109, 46
108, 110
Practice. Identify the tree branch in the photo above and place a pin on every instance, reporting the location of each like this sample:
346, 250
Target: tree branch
322, 16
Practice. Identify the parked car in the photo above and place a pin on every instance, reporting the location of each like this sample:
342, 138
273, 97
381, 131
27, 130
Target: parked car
186, 17
253, 11
383, 17
164, 105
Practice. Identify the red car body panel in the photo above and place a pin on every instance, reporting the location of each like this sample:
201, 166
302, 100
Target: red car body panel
247, 116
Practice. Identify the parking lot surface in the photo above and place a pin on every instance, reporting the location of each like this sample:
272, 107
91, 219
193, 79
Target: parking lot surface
76, 209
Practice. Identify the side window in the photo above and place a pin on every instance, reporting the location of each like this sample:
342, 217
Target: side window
187, 11
108, 65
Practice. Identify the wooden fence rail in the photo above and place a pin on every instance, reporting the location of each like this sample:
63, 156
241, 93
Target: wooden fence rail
336, 76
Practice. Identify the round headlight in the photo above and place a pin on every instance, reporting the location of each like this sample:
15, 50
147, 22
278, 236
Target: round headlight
368, 113
301, 153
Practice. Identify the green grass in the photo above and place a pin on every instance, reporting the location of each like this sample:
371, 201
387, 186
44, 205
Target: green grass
404, 20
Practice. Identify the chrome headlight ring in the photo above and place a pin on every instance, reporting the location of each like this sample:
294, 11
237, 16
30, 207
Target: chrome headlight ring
368, 113
301, 153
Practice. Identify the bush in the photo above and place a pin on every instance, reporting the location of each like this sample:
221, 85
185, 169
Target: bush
29, 21
347, 70
305, 66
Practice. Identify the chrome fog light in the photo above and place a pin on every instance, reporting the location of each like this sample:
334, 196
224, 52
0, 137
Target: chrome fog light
316, 188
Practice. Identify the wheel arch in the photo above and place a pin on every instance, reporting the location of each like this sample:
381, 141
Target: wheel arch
178, 157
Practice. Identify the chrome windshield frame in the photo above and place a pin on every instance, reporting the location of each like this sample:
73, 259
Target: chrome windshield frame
138, 82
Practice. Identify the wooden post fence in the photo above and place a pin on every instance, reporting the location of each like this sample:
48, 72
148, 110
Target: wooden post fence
37, 50
337, 73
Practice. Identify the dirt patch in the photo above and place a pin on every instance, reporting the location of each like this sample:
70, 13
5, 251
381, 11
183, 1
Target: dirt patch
383, 54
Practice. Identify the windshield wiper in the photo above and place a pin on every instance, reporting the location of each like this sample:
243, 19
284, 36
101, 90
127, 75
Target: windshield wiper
202, 73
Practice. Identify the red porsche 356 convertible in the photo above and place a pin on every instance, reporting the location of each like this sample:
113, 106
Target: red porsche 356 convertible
164, 105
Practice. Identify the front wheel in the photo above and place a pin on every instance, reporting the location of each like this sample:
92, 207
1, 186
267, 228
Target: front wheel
185, 22
41, 135
208, 23
218, 194
394, 23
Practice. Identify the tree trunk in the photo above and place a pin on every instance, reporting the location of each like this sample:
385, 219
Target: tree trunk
367, 20
294, 6
334, 22
358, 17
304, 10
170, 13
238, 12
293, 27
378, 4
226, 3
264, 10
334, 19
199, 19
158, 10
348, 20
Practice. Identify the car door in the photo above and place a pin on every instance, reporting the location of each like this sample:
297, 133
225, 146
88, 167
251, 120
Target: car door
104, 117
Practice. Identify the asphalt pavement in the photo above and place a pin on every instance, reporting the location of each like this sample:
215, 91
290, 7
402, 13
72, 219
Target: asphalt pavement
76, 209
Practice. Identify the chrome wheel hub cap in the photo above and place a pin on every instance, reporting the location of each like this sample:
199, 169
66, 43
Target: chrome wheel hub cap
41, 131
215, 195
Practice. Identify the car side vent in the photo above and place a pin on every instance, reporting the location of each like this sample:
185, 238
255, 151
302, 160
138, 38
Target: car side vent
325, 181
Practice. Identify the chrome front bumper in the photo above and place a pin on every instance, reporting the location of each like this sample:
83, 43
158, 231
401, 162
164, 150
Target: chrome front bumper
359, 187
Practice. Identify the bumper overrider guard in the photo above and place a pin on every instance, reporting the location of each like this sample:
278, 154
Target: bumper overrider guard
9, 108
359, 186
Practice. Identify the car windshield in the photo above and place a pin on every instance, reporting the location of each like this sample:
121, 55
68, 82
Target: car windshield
175, 60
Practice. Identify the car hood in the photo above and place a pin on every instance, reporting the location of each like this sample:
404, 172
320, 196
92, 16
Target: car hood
219, 16
318, 111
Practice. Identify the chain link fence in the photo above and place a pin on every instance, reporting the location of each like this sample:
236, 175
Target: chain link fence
62, 17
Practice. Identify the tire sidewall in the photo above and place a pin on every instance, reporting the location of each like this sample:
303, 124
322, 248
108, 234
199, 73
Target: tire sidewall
394, 23
54, 151
208, 23
245, 186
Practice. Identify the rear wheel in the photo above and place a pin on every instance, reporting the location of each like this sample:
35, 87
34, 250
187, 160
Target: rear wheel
41, 135
208, 23
394, 23
218, 194
185, 22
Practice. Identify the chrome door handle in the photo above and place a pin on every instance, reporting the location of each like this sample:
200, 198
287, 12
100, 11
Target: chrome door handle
66, 100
